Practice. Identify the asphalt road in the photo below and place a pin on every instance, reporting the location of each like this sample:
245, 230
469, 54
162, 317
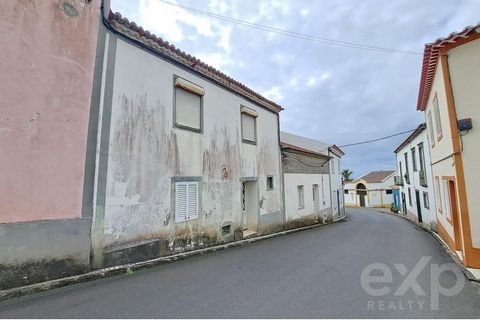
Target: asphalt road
310, 274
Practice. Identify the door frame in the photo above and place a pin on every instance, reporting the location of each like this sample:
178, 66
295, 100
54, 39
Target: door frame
419, 206
250, 216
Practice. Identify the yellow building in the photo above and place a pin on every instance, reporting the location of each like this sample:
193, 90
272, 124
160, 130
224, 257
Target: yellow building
449, 95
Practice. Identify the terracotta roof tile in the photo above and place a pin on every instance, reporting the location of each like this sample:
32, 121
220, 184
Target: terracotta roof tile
430, 61
131, 29
377, 176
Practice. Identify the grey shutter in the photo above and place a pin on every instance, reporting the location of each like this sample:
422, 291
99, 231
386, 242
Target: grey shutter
187, 109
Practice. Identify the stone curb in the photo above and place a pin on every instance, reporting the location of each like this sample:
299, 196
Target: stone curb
130, 267
468, 274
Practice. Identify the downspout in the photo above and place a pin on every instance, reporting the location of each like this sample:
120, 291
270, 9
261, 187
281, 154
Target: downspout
282, 184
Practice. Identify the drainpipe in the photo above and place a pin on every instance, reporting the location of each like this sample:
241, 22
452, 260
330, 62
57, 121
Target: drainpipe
282, 185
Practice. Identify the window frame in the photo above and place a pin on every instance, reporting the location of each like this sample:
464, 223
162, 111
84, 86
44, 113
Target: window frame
438, 119
407, 171
430, 129
244, 110
438, 195
426, 200
409, 196
178, 125
175, 181
270, 188
301, 197
414, 159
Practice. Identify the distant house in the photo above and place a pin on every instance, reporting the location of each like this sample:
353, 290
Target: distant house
415, 178
371, 190
449, 96
312, 180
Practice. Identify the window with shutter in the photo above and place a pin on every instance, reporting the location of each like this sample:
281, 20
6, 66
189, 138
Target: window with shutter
188, 105
186, 201
248, 118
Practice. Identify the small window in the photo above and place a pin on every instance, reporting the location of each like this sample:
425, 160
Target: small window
346, 191
426, 201
438, 195
388, 191
186, 201
409, 197
430, 129
414, 159
301, 197
270, 183
438, 121
249, 125
188, 105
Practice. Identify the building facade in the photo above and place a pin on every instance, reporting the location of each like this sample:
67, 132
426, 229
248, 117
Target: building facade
415, 178
371, 190
187, 157
48, 66
312, 175
449, 98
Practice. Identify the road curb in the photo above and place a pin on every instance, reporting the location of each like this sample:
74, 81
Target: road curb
468, 274
130, 267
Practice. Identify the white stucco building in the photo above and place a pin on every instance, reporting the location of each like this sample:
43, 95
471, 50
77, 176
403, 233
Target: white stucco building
450, 98
415, 178
371, 190
312, 179
187, 157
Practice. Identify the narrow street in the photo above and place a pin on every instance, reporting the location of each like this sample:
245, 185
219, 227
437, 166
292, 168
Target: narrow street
315, 273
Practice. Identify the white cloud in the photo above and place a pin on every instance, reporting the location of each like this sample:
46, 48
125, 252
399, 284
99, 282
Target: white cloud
304, 12
217, 60
165, 20
224, 41
274, 94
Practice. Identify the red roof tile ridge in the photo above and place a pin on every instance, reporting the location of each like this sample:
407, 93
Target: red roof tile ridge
430, 61
193, 62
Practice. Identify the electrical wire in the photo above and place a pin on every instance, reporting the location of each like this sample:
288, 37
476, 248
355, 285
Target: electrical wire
292, 34
378, 139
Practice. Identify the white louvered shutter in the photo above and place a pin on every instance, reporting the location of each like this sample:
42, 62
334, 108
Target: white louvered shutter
186, 201
192, 204
180, 202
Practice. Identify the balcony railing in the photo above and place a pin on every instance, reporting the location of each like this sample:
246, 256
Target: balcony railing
398, 180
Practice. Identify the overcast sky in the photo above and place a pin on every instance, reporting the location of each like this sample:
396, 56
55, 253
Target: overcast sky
330, 93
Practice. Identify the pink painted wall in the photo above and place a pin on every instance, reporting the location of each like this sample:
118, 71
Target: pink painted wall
46, 60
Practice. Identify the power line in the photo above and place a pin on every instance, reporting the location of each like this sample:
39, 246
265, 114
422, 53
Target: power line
292, 34
378, 139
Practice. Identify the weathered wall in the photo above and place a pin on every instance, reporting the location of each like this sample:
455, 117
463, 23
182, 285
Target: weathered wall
308, 214
464, 63
47, 61
146, 151
37, 251
336, 185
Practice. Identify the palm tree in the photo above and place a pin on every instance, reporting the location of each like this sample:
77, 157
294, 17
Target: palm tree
347, 175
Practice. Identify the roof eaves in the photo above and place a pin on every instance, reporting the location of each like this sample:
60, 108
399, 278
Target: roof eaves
137, 33
412, 136
430, 61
